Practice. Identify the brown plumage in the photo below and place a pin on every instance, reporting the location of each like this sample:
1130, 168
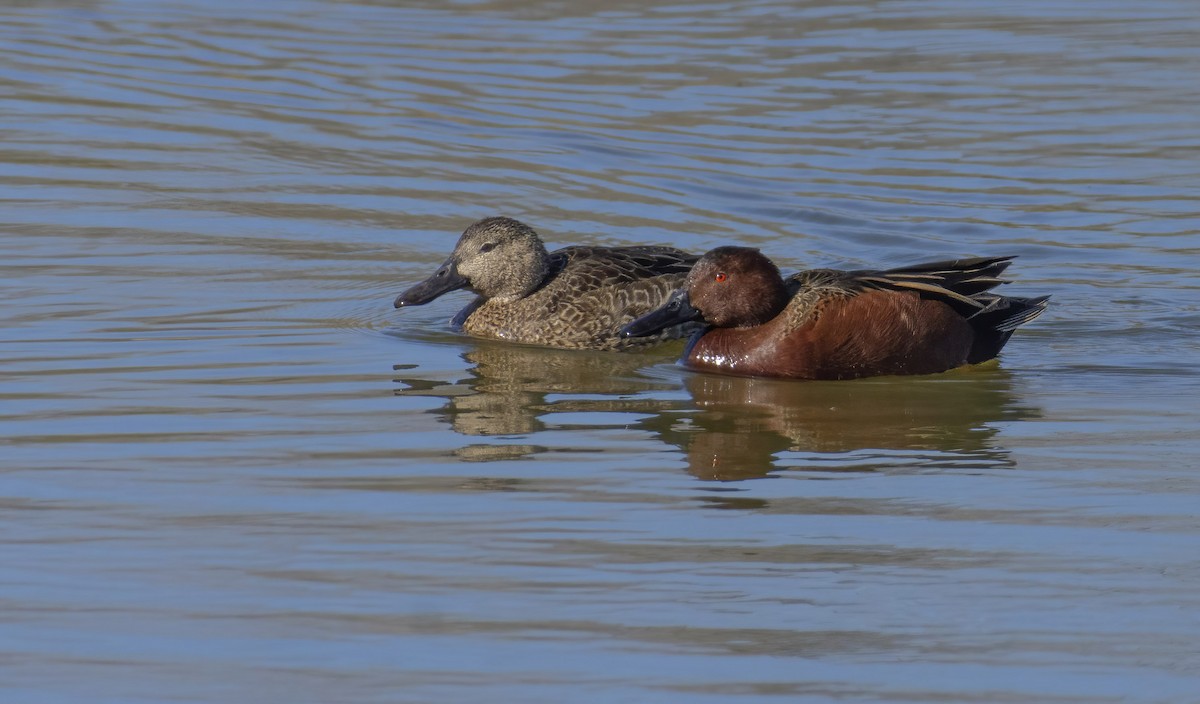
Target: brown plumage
828, 324
575, 297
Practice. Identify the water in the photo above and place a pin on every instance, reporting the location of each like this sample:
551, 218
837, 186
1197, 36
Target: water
231, 472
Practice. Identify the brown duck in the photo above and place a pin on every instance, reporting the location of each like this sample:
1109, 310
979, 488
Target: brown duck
574, 297
828, 324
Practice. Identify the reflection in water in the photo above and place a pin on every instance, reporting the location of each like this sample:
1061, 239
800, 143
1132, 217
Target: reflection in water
741, 425
508, 387
735, 428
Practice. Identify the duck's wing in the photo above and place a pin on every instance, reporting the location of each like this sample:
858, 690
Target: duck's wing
961, 283
594, 291
964, 284
587, 268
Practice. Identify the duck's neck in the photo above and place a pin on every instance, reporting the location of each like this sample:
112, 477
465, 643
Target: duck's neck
765, 308
532, 268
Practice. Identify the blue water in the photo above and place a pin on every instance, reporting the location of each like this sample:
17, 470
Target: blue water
230, 471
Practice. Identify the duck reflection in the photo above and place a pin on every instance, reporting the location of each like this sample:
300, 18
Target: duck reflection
512, 388
730, 428
741, 425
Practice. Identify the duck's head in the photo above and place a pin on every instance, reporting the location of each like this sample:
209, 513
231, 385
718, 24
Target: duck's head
498, 258
729, 287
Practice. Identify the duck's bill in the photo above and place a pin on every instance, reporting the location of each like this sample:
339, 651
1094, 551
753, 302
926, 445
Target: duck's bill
677, 310
444, 280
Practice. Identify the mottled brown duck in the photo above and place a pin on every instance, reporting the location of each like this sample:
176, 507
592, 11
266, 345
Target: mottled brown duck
575, 297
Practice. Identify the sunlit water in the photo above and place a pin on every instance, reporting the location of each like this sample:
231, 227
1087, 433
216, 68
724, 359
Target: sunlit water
231, 472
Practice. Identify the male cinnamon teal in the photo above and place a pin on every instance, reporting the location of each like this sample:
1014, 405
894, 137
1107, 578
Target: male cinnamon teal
574, 297
828, 324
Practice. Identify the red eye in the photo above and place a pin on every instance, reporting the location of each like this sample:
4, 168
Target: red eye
720, 277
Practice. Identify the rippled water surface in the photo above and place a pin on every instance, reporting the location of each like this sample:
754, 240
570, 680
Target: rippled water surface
231, 472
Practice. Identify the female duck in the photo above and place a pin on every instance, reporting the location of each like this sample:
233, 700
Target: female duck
827, 324
574, 297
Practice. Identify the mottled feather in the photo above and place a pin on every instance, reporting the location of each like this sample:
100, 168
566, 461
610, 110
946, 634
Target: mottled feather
589, 293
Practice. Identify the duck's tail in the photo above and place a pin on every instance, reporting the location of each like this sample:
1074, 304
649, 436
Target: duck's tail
996, 322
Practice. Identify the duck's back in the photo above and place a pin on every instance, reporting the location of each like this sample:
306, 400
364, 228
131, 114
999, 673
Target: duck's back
588, 294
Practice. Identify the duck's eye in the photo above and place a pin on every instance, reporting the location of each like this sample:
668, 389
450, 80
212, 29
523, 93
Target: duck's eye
720, 277
487, 247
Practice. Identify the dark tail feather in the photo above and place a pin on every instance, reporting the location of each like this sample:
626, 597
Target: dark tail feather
996, 322
1021, 311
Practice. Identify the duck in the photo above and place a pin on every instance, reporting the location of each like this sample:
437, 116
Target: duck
577, 297
827, 324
